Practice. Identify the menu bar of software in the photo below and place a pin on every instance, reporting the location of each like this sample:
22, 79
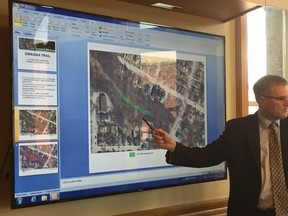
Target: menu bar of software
76, 27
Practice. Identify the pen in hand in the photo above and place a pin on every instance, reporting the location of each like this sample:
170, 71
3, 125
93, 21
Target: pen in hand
148, 124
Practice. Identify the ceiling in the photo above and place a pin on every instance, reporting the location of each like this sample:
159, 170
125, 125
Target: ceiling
221, 10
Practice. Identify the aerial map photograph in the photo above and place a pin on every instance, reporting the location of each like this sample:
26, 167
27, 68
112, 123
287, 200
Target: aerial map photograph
37, 122
124, 88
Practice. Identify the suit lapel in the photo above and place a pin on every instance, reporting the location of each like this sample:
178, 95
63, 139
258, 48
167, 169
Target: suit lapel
284, 146
254, 139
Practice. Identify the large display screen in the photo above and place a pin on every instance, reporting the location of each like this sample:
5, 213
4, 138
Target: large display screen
82, 84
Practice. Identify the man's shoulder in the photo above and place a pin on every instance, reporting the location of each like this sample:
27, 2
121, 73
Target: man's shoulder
284, 122
249, 119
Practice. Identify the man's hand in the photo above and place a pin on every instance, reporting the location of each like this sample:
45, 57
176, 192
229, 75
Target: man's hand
163, 139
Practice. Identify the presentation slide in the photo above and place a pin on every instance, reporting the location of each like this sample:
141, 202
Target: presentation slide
36, 54
131, 83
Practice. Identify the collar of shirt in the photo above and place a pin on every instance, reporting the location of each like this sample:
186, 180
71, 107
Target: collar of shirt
264, 122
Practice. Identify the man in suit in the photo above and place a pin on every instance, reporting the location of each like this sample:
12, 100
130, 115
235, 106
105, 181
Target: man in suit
244, 144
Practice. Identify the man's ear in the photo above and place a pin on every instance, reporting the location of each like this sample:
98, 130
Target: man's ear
260, 100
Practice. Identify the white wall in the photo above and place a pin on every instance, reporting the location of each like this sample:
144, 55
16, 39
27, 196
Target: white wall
130, 202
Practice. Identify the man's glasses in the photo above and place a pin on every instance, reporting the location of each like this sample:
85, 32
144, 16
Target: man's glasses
280, 98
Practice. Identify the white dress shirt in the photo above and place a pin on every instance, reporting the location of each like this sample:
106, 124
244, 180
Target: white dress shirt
265, 199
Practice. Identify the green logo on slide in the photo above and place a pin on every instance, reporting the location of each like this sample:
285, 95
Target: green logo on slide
132, 154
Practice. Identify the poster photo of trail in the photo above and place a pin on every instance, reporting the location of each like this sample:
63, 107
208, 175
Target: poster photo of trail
168, 91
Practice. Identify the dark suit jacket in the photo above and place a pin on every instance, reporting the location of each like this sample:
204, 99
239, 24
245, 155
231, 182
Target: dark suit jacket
239, 145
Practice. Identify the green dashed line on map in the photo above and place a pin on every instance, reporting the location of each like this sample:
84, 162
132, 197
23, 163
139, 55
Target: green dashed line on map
130, 103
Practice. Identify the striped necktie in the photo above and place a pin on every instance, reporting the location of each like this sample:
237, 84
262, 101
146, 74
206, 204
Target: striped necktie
279, 188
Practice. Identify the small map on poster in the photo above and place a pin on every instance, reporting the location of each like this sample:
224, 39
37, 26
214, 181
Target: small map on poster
36, 123
38, 158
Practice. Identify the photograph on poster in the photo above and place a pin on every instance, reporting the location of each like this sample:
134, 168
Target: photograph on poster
38, 158
37, 123
36, 54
